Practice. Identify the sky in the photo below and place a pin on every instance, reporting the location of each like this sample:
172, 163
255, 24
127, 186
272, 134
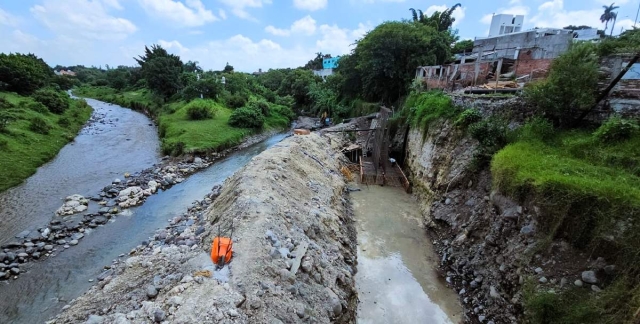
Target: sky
250, 34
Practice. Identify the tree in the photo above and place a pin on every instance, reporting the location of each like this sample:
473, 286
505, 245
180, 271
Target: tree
118, 78
464, 46
24, 74
192, 67
161, 71
389, 54
316, 63
441, 21
570, 88
228, 68
296, 84
609, 15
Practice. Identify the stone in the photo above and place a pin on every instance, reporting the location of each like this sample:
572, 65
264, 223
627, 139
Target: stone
543, 280
2, 256
104, 275
94, 319
578, 283
15, 271
158, 315
595, 289
23, 255
35, 255
152, 292
45, 232
11, 256
73, 242
48, 247
447, 201
117, 181
61, 242
300, 310
589, 277
493, 292
528, 230
233, 312
538, 270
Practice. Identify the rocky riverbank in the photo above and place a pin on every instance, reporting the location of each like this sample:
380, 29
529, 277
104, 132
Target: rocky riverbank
80, 214
294, 251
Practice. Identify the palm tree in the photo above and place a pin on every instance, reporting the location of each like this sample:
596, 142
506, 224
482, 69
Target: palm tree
417, 16
441, 21
609, 15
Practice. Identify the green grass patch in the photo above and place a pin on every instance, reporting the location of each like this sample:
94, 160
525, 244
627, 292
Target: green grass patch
427, 107
22, 150
589, 193
198, 135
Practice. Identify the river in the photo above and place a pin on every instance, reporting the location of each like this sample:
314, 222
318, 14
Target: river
117, 140
397, 281
48, 285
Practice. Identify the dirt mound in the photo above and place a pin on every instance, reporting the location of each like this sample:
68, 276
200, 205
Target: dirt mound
294, 251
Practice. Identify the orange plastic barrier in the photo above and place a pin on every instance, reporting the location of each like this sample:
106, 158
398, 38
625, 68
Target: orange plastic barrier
221, 250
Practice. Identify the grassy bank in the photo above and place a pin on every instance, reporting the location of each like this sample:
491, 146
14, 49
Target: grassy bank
589, 192
178, 132
25, 146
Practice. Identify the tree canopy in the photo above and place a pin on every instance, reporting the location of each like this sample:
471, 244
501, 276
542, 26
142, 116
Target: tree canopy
24, 73
161, 70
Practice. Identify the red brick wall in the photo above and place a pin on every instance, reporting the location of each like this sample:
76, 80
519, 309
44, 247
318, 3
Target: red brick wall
525, 65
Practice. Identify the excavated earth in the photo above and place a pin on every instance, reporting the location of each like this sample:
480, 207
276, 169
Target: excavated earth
294, 251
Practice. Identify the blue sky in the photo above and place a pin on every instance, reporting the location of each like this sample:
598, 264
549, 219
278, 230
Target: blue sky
249, 34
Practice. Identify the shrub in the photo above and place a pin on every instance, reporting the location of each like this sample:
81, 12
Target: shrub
4, 144
64, 122
287, 101
468, 117
5, 104
201, 109
429, 106
537, 128
236, 101
616, 129
247, 118
569, 91
39, 125
57, 102
261, 106
38, 107
492, 133
24, 74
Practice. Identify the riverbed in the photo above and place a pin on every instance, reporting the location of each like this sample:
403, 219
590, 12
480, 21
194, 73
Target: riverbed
397, 281
115, 140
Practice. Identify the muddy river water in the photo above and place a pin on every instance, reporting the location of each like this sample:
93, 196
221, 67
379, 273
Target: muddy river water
397, 280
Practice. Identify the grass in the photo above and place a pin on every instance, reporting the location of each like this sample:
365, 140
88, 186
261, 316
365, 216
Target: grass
589, 193
22, 151
198, 135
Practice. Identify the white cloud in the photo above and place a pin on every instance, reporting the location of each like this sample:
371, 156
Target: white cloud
222, 14
277, 31
113, 4
311, 5
305, 26
238, 7
458, 14
7, 19
552, 14
340, 41
192, 13
83, 19
374, 1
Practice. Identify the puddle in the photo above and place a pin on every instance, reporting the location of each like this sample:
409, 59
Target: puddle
397, 280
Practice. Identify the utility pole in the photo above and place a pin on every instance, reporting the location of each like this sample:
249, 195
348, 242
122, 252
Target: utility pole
636, 21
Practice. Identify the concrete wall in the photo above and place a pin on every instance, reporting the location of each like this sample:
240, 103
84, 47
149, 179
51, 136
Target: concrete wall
624, 99
324, 73
330, 63
545, 44
505, 24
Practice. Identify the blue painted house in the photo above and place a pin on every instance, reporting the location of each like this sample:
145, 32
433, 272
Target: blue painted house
330, 63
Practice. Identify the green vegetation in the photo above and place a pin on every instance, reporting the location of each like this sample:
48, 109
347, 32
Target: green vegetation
24, 74
424, 108
201, 109
31, 137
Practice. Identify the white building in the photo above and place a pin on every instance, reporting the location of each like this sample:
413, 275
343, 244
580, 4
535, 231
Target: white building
505, 24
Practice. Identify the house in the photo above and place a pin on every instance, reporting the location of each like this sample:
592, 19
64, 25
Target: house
65, 72
508, 54
328, 64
